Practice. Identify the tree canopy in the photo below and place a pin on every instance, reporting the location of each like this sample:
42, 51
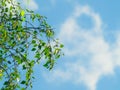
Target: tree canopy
25, 39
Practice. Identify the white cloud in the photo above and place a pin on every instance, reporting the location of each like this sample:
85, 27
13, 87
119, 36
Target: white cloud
80, 43
31, 4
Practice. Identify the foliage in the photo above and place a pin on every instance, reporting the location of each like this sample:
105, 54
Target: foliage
22, 45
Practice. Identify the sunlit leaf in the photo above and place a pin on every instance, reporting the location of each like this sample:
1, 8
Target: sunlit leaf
22, 13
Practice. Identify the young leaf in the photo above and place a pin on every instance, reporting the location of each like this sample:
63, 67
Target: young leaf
22, 13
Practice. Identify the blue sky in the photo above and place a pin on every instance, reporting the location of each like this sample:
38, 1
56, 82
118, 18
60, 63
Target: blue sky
90, 31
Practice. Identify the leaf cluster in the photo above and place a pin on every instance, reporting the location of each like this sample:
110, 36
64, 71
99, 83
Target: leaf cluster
22, 45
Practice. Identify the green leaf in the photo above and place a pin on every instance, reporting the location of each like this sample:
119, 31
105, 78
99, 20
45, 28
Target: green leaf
33, 17
35, 32
22, 13
39, 46
23, 82
33, 49
6, 83
11, 7
23, 19
47, 64
22, 49
9, 62
33, 41
6, 9
37, 55
61, 46
24, 67
57, 56
49, 33
23, 89
31, 64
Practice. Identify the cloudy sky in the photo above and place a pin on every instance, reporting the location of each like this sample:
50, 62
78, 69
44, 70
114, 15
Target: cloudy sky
90, 31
